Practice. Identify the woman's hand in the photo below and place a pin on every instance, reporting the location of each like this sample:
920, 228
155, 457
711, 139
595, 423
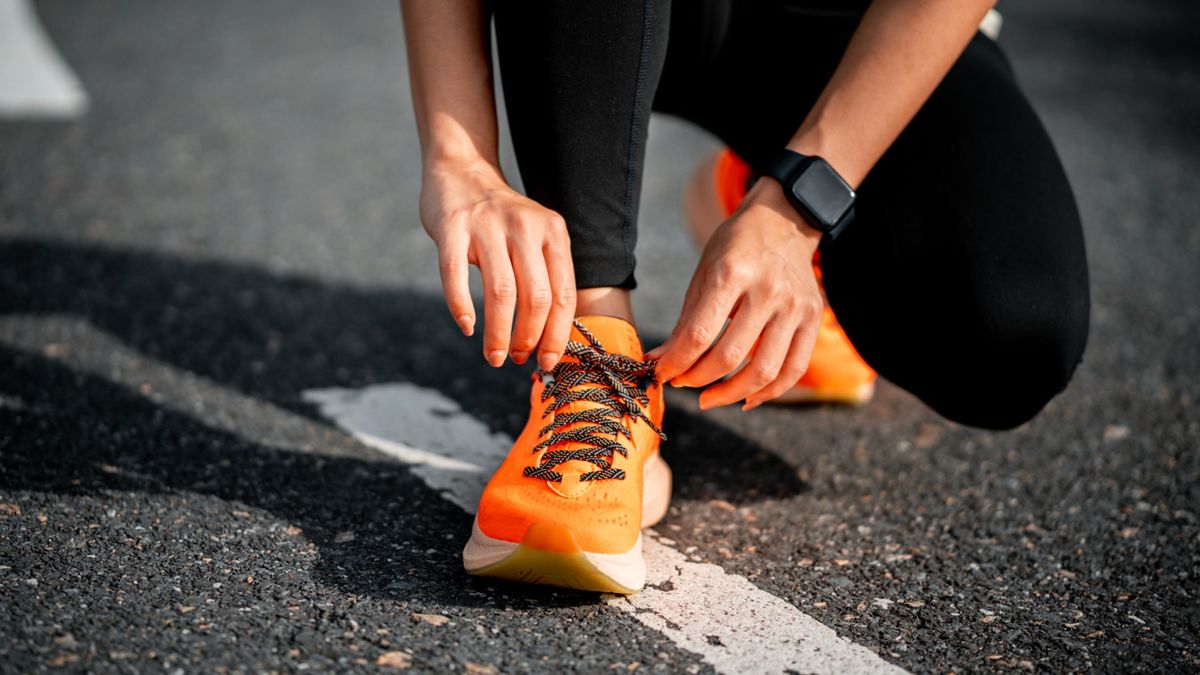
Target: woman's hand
522, 249
756, 271
467, 207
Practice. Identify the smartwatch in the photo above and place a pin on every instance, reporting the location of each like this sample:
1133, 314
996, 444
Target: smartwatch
814, 189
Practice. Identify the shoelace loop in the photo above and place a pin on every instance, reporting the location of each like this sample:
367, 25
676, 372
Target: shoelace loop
618, 384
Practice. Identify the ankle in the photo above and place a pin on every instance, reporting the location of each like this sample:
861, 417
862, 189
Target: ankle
605, 301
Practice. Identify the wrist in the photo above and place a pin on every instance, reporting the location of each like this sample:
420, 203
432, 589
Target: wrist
814, 140
457, 167
449, 148
767, 194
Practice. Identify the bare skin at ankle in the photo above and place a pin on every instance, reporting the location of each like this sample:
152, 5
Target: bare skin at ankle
701, 208
605, 301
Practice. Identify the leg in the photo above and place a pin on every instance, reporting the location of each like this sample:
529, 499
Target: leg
966, 282
964, 279
578, 80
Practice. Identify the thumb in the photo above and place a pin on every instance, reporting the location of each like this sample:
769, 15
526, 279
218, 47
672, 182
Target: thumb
659, 350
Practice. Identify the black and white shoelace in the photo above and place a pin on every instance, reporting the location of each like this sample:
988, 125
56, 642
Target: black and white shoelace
614, 381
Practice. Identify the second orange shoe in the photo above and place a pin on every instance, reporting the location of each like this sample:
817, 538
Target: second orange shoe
836, 373
569, 502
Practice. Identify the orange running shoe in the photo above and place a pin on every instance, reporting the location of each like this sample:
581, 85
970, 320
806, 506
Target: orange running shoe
836, 373
569, 502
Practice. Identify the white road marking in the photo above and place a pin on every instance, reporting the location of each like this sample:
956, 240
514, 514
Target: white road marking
753, 631
734, 625
991, 24
85, 348
453, 452
731, 623
35, 81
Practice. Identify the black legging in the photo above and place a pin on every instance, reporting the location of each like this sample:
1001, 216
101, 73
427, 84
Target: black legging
963, 278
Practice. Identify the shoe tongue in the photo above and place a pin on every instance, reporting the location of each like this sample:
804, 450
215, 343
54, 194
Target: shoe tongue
616, 336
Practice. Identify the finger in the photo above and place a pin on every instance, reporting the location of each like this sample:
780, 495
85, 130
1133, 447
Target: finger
698, 327
562, 310
762, 369
690, 297
730, 351
499, 300
455, 270
533, 299
795, 364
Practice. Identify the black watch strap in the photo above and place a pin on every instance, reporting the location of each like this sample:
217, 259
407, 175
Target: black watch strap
785, 163
814, 189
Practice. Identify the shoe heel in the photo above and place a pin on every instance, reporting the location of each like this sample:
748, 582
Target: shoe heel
656, 494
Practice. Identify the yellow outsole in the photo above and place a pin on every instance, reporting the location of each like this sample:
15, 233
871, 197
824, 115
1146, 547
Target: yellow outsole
808, 395
567, 570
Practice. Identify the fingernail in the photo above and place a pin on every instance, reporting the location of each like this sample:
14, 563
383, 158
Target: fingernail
496, 358
519, 358
548, 360
653, 353
466, 324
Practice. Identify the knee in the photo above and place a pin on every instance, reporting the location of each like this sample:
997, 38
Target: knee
1010, 364
1013, 384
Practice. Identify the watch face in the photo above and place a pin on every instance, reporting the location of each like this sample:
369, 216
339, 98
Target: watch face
823, 191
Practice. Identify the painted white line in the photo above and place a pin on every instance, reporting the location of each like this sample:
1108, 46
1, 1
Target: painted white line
453, 452
85, 348
736, 626
991, 24
35, 81
731, 623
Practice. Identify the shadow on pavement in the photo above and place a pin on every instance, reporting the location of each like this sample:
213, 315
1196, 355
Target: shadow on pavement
272, 337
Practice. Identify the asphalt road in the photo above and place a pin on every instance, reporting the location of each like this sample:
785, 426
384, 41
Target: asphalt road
233, 224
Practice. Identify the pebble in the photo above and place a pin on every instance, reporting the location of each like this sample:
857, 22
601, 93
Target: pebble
432, 619
1115, 432
66, 641
395, 660
722, 504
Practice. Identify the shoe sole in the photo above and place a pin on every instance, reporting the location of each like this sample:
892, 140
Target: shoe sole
857, 396
549, 554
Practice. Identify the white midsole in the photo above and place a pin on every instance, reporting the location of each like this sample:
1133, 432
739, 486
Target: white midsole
799, 394
627, 569
656, 498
